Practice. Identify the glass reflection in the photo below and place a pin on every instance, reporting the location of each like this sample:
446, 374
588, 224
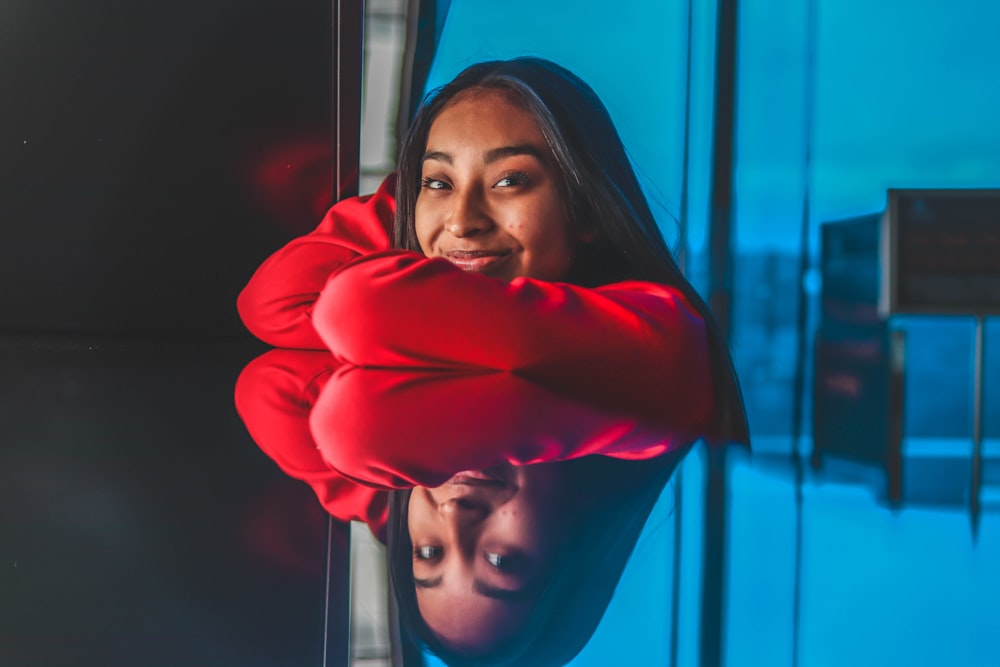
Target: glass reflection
507, 529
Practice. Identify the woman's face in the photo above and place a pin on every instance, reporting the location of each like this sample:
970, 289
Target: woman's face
483, 544
489, 198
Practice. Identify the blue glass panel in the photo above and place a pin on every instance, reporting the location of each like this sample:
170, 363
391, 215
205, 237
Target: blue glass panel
903, 98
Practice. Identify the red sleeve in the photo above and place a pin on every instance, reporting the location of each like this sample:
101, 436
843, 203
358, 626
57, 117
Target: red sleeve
631, 346
276, 305
274, 396
402, 428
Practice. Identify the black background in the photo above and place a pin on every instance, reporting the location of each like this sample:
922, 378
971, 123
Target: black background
134, 136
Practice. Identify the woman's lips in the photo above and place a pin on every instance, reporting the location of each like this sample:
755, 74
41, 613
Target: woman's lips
477, 261
466, 480
496, 476
494, 485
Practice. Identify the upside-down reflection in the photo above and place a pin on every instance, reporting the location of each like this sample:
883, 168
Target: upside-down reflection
511, 510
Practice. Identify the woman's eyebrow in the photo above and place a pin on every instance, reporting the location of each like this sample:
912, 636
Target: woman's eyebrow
507, 594
427, 583
439, 156
495, 154
491, 155
483, 588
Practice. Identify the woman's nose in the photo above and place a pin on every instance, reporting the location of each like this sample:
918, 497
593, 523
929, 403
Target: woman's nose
463, 520
463, 511
468, 215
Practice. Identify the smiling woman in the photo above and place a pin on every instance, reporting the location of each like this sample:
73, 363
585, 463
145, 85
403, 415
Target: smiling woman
524, 248
490, 198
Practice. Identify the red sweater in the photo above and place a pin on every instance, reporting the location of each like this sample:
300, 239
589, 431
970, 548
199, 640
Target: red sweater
631, 347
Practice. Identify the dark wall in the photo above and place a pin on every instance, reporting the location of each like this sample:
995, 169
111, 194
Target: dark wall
152, 154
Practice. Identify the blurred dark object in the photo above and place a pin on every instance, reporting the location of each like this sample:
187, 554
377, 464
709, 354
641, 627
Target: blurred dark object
942, 252
858, 380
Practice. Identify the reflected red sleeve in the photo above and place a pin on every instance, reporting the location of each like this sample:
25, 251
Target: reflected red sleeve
633, 346
274, 396
399, 429
277, 303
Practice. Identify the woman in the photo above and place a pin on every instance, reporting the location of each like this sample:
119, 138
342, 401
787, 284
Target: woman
526, 246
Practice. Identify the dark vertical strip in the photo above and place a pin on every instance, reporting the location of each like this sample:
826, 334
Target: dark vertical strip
414, 42
348, 38
397, 652
337, 621
682, 242
713, 583
797, 585
802, 315
977, 428
675, 594
894, 432
423, 22
723, 153
720, 300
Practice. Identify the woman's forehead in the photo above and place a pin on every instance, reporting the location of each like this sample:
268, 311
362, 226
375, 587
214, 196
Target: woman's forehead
488, 93
486, 119
472, 623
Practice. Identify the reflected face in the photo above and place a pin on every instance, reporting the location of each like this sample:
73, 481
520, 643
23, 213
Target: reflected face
483, 544
489, 200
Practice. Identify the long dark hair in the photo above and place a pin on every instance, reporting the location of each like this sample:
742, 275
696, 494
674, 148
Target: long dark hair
601, 193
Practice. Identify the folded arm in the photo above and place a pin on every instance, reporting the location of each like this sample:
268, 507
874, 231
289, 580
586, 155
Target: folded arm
632, 346
404, 428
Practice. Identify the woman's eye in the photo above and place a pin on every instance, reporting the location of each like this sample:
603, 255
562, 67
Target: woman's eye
510, 180
509, 564
426, 553
433, 184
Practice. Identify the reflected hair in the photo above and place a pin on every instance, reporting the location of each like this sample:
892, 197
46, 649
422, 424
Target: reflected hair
598, 189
